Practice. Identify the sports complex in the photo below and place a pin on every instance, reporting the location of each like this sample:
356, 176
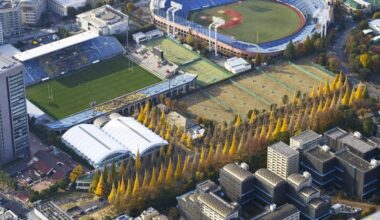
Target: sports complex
243, 28
79, 78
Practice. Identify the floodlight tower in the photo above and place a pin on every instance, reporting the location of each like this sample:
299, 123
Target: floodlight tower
177, 7
209, 34
168, 19
218, 22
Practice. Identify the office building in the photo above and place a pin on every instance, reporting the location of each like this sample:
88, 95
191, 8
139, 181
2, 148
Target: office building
237, 182
307, 198
284, 212
205, 203
269, 188
31, 11
104, 20
347, 161
10, 18
13, 116
282, 160
60, 6
305, 140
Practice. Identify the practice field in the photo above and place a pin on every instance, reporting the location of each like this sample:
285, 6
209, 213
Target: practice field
253, 21
207, 72
99, 82
255, 90
172, 51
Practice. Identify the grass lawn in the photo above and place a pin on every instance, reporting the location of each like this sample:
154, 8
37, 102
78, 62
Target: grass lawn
269, 19
173, 52
207, 72
99, 82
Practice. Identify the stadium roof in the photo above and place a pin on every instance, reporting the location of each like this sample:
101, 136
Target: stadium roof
55, 46
92, 143
133, 135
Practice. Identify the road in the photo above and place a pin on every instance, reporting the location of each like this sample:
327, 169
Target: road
338, 50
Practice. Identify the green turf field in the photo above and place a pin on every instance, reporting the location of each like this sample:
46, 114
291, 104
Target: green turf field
99, 82
267, 19
207, 72
174, 52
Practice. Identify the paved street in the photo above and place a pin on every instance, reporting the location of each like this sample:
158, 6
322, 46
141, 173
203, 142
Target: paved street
11, 203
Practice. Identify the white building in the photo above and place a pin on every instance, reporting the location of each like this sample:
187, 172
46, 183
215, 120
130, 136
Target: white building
237, 65
114, 139
10, 18
60, 6
140, 37
31, 11
305, 140
375, 25
105, 20
282, 160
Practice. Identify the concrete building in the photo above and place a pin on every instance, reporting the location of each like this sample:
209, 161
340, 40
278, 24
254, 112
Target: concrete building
31, 11
60, 6
104, 20
237, 65
305, 140
347, 161
269, 188
50, 211
13, 117
374, 25
237, 182
282, 160
205, 203
10, 18
284, 212
307, 198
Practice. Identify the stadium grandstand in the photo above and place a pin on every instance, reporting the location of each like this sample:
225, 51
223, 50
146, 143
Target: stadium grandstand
67, 55
172, 17
114, 139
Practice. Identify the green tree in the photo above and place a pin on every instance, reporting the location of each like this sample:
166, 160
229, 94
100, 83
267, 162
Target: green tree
290, 51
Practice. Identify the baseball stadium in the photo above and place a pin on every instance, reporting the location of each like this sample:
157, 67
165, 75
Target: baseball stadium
243, 28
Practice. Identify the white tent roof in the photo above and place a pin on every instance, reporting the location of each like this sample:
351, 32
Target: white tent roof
92, 143
133, 135
55, 46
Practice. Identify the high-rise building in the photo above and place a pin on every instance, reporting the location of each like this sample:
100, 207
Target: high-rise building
31, 11
282, 160
13, 115
10, 18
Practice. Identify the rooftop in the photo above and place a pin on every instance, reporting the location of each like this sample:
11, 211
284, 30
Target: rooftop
269, 177
354, 160
279, 213
5, 4
297, 179
308, 191
358, 144
217, 204
52, 212
317, 202
335, 133
320, 154
284, 149
237, 171
71, 3
55, 46
305, 136
7, 63
102, 16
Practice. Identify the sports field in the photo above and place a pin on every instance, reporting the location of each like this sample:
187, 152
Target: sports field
173, 52
255, 90
253, 21
207, 72
99, 82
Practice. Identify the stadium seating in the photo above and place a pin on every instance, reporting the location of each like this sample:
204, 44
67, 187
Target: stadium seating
309, 8
71, 58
